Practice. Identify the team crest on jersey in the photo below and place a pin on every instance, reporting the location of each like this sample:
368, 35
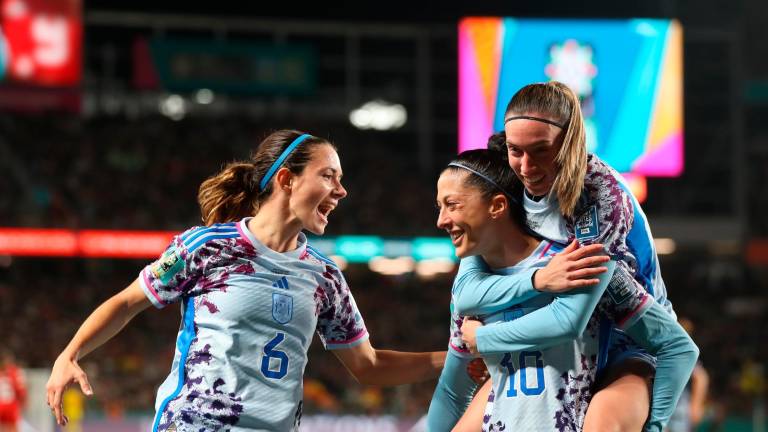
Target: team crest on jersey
586, 226
168, 265
620, 288
282, 308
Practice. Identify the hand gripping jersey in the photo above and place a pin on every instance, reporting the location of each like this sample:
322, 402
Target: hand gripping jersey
248, 314
606, 213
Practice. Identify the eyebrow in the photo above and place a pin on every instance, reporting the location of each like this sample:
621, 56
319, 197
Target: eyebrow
535, 145
335, 171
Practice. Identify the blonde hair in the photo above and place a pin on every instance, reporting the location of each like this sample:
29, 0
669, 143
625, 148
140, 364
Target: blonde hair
234, 192
558, 102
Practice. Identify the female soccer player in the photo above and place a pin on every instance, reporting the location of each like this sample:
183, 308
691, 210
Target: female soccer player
544, 370
252, 291
571, 195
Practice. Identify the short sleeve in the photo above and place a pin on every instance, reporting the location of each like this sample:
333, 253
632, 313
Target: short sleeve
339, 322
172, 275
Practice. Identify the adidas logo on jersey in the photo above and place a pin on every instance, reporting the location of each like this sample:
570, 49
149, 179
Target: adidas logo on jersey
281, 283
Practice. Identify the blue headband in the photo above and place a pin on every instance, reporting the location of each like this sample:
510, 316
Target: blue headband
279, 162
486, 178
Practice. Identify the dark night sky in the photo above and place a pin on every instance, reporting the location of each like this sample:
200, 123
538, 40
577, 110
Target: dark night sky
395, 10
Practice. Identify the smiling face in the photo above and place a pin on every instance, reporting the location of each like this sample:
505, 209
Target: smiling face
317, 190
464, 213
532, 147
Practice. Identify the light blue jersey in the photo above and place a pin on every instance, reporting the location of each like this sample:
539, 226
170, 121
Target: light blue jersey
248, 317
546, 389
540, 383
606, 213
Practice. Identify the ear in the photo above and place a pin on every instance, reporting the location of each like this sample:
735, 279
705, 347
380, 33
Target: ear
499, 205
284, 179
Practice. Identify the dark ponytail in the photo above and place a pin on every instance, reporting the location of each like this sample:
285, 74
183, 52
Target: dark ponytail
234, 192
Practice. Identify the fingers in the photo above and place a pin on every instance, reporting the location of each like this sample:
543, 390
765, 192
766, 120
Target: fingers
590, 261
588, 272
57, 408
85, 386
584, 251
572, 246
581, 283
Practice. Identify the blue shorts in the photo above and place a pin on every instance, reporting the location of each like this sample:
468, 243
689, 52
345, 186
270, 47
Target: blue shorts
622, 347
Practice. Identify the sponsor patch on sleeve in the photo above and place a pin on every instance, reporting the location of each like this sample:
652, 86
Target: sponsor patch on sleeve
620, 288
586, 226
168, 265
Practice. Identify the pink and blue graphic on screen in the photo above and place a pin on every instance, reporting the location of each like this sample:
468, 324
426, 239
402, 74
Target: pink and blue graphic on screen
627, 73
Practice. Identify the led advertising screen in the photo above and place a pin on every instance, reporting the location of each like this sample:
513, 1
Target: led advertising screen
628, 75
40, 42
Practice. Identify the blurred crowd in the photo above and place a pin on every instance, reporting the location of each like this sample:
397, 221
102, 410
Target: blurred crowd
43, 301
69, 172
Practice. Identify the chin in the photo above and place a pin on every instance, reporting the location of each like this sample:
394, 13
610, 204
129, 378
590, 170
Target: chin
316, 229
463, 252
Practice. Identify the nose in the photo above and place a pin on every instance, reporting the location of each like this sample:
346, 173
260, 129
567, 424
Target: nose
443, 221
526, 165
339, 191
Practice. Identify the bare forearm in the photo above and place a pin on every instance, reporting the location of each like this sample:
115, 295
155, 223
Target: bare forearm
105, 322
396, 367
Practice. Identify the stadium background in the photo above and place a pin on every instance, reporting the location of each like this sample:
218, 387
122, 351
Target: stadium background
118, 151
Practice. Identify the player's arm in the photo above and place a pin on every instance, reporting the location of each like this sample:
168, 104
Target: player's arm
452, 395
560, 321
699, 390
478, 291
164, 281
676, 355
472, 420
372, 366
105, 322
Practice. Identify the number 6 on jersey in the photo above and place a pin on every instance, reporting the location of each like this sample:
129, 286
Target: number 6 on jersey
271, 353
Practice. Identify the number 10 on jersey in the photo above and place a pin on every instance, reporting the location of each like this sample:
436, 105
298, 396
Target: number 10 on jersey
526, 359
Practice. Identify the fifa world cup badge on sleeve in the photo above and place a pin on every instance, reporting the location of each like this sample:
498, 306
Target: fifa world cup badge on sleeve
586, 225
168, 265
282, 308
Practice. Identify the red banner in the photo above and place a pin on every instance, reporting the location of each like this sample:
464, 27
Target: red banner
87, 243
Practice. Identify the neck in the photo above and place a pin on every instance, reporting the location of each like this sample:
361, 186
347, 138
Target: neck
512, 246
534, 197
275, 227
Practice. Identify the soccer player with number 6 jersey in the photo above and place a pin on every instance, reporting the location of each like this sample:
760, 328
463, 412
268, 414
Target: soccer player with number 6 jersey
252, 292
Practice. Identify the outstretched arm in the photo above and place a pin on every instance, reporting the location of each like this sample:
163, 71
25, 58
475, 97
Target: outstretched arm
388, 368
477, 291
104, 323
452, 395
562, 320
